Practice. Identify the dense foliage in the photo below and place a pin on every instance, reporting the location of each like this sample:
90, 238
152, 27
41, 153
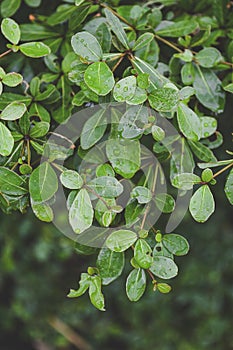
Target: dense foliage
136, 70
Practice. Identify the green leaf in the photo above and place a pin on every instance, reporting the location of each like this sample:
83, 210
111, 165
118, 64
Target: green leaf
164, 267
35, 49
96, 296
10, 29
121, 240
110, 265
180, 28
40, 129
229, 88
124, 156
133, 121
165, 202
104, 37
176, 244
35, 31
106, 186
33, 3
158, 133
42, 211
43, 183
132, 213
142, 194
93, 129
105, 170
143, 40
87, 46
185, 181
11, 183
229, 187
12, 79
71, 179
9, 7
143, 254
125, 89
164, 100
7, 141
157, 80
188, 73
215, 164
99, 78
202, 152
143, 80
139, 97
189, 123
208, 126
116, 27
208, 57
84, 284
79, 2
202, 204
81, 212
136, 284
208, 89
164, 288
13, 111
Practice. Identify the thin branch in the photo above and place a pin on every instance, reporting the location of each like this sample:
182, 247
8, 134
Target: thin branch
222, 170
5, 53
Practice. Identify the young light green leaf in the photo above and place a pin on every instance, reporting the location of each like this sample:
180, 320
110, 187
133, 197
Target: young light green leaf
40, 129
180, 28
143, 254
42, 211
189, 123
124, 156
7, 141
11, 183
165, 202
164, 100
229, 187
125, 89
81, 212
71, 179
121, 240
143, 40
202, 204
110, 265
106, 186
105, 170
229, 88
96, 296
87, 46
116, 27
13, 111
176, 244
35, 49
43, 183
12, 79
164, 288
142, 194
93, 129
99, 78
215, 164
164, 267
10, 29
136, 284
208, 57
84, 284
186, 181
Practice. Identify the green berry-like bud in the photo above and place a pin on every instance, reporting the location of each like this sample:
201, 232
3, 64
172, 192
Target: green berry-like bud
207, 175
158, 237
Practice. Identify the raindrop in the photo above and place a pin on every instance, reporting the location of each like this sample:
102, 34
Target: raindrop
126, 89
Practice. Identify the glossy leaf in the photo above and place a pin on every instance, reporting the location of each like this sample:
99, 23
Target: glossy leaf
202, 204
142, 194
35, 49
7, 140
117, 28
84, 284
164, 100
186, 181
11, 183
87, 46
106, 186
110, 265
12, 79
164, 267
143, 40
10, 29
165, 202
71, 179
125, 89
96, 296
99, 78
13, 111
43, 183
93, 129
121, 240
229, 187
81, 212
208, 57
143, 254
180, 28
136, 284
189, 123
42, 211
176, 244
